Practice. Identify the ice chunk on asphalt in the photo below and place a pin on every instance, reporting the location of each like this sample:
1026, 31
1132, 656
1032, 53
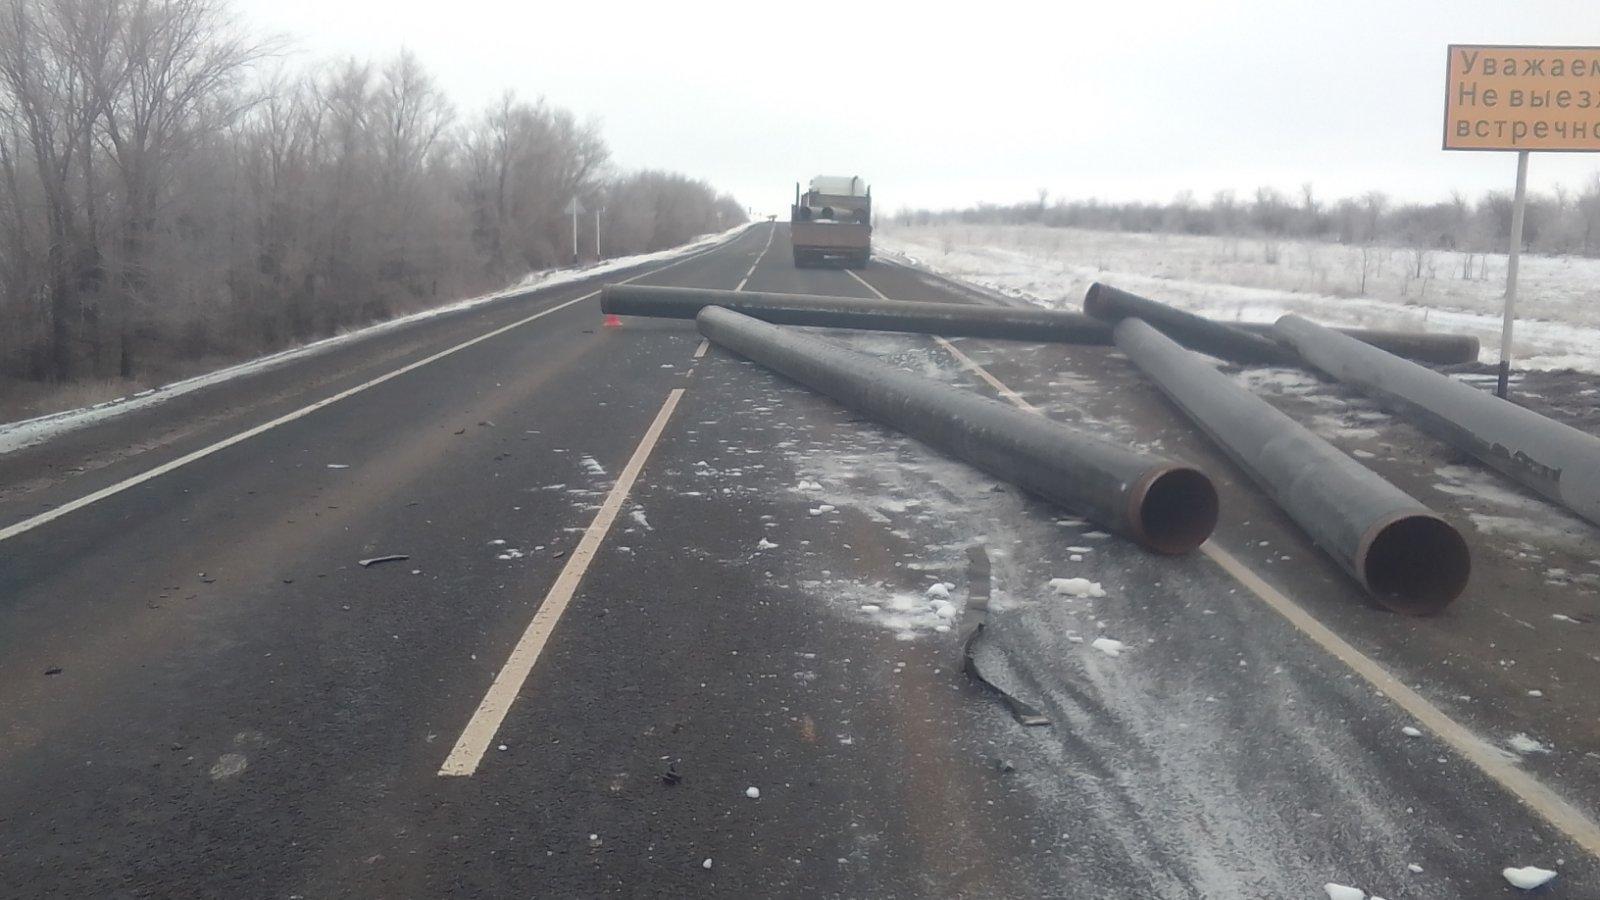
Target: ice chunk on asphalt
1528, 877
939, 592
1108, 646
1408, 731
1521, 743
765, 544
1077, 587
754, 793
1344, 892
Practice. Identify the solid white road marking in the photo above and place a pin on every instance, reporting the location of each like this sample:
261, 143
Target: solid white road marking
486, 721
26, 525
1544, 802
1491, 761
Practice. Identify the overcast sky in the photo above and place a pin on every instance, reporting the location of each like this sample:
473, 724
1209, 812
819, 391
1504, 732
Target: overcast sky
982, 101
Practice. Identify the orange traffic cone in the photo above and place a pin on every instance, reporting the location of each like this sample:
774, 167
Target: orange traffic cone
612, 321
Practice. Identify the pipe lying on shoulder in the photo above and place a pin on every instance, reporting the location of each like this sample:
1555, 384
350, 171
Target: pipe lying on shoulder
1434, 347
1407, 558
1242, 341
1167, 506
1553, 459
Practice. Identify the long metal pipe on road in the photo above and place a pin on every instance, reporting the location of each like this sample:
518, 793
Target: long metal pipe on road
1407, 558
949, 319
1556, 460
1112, 305
1164, 505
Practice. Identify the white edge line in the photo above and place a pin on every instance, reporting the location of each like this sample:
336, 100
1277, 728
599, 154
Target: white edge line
491, 712
1537, 796
44, 518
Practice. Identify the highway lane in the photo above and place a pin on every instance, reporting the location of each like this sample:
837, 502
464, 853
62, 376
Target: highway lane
276, 726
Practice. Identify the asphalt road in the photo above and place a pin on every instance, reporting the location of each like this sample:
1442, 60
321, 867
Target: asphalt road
239, 709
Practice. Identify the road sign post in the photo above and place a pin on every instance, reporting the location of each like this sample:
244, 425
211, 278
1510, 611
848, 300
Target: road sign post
1513, 262
1522, 99
574, 209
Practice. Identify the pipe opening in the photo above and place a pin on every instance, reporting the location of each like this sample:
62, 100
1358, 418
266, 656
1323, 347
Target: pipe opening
1177, 511
1416, 565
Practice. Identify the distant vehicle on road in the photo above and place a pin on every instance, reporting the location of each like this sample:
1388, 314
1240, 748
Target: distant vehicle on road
832, 222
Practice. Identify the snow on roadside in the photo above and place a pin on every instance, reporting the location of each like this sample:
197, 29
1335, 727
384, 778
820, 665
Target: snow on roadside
28, 432
1557, 326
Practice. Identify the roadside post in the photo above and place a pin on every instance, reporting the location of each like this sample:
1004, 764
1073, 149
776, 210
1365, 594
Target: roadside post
575, 209
1520, 98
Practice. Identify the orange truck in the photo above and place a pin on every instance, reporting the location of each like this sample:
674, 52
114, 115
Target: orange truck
832, 222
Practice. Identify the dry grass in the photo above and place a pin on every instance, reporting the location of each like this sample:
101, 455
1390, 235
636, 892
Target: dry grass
21, 399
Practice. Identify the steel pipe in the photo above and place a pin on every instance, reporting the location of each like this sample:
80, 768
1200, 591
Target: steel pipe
1164, 505
950, 319
1421, 346
1555, 460
1407, 558
1112, 305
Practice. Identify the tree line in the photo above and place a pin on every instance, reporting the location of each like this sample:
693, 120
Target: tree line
1560, 222
170, 192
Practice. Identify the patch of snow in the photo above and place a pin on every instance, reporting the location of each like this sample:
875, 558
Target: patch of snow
1522, 743
1109, 646
592, 465
1409, 731
1077, 587
754, 793
637, 515
1528, 877
765, 544
28, 432
1228, 278
1343, 892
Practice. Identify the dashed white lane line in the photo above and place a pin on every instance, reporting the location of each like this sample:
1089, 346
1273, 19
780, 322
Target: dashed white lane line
965, 360
491, 712
746, 279
508, 684
28, 524
1544, 802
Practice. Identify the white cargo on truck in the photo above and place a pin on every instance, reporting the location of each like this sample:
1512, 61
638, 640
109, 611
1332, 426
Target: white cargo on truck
839, 185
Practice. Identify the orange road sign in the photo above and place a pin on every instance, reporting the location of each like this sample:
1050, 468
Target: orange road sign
1500, 97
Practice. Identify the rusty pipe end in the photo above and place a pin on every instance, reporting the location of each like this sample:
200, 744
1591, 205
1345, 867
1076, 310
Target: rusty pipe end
1414, 563
1095, 305
1172, 509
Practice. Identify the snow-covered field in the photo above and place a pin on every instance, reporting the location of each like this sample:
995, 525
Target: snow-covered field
26, 433
1251, 279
